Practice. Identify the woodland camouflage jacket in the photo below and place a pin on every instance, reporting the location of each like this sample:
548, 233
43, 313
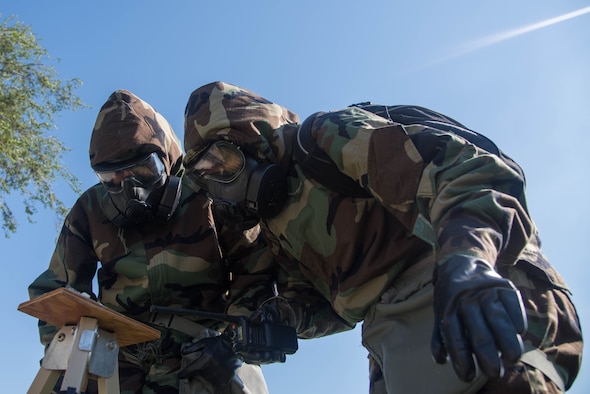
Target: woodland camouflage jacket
175, 263
433, 195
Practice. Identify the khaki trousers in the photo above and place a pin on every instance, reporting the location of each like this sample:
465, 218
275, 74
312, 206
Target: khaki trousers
398, 337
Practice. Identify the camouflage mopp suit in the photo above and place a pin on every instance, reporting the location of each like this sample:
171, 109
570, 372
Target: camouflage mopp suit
433, 196
180, 262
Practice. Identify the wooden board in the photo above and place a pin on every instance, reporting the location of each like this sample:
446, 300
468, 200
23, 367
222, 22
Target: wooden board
63, 307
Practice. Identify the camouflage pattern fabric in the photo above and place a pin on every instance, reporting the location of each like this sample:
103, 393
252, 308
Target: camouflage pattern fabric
178, 263
249, 120
127, 127
434, 194
266, 126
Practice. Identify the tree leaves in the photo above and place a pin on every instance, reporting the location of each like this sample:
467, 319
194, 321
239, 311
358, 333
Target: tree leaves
31, 95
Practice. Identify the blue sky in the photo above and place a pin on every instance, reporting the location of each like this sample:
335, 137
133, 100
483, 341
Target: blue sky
514, 71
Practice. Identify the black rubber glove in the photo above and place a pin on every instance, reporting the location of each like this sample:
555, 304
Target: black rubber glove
476, 313
211, 358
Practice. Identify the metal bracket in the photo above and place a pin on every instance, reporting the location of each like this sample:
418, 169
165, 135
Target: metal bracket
81, 350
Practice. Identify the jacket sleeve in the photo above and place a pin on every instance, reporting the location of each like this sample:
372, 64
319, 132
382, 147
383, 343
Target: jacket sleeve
313, 312
444, 189
250, 270
472, 201
73, 264
257, 276
478, 207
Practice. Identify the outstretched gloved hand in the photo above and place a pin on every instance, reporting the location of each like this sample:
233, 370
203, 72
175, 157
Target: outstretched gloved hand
212, 358
477, 313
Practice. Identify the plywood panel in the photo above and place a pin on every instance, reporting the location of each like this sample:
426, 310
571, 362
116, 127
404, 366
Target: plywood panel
64, 306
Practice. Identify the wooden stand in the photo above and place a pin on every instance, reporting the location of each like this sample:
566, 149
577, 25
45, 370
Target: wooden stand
87, 343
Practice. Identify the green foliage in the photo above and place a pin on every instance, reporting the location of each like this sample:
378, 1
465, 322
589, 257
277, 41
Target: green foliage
30, 96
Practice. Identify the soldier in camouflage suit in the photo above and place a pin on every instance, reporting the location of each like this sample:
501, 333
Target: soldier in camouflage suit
160, 249
439, 260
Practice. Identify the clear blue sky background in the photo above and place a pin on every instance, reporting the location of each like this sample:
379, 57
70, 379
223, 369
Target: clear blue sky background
490, 64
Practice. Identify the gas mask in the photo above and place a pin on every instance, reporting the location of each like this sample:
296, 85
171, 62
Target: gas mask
243, 190
139, 191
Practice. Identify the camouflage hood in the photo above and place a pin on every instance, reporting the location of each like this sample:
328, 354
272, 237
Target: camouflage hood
222, 111
127, 128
